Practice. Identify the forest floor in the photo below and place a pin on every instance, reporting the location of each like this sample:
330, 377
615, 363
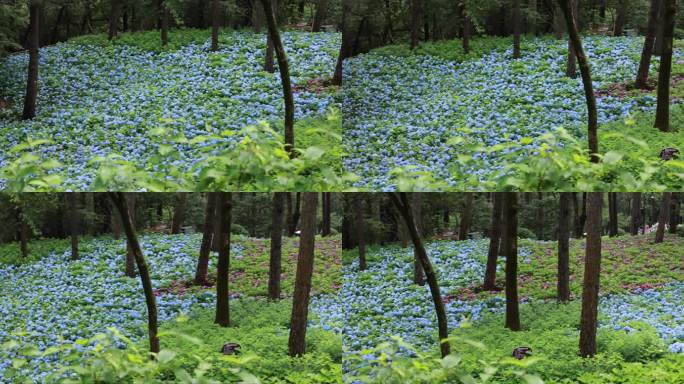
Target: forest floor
641, 325
50, 301
463, 118
161, 109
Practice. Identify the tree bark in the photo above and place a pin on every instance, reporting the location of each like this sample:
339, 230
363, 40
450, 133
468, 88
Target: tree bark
635, 214
466, 217
465, 35
516, 29
119, 201
302, 289
327, 211
649, 45
179, 213
274, 268
319, 16
576, 216
571, 68
416, 20
620, 18
494, 243
674, 213
130, 252
586, 78
114, 18
73, 223
417, 206
202, 269
164, 17
32, 80
401, 201
224, 206
563, 287
662, 120
215, 24
612, 214
360, 229
663, 217
510, 251
592, 273
284, 67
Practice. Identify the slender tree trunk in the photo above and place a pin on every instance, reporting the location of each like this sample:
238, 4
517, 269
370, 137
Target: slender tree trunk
22, 230
516, 29
32, 80
346, 50
224, 206
73, 223
494, 243
54, 36
592, 274
119, 201
579, 227
179, 213
416, 20
621, 18
586, 78
662, 121
319, 16
636, 214
509, 249
663, 217
571, 68
466, 217
583, 215
215, 24
401, 201
202, 269
114, 18
612, 214
284, 67
674, 213
360, 229
649, 45
417, 206
465, 36
274, 269
302, 288
164, 22
327, 211
564, 248
130, 252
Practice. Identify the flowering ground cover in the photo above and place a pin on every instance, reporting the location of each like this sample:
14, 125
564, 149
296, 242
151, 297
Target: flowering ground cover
53, 301
159, 109
438, 115
640, 310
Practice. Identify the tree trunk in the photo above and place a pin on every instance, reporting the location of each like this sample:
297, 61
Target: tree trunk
516, 29
401, 201
327, 211
73, 223
130, 252
114, 18
417, 206
164, 22
579, 230
202, 269
494, 243
571, 68
674, 213
509, 249
22, 230
32, 80
662, 120
586, 78
119, 201
284, 75
663, 217
224, 206
276, 245
302, 288
360, 229
54, 36
466, 217
416, 20
319, 16
465, 35
649, 45
592, 273
179, 213
215, 24
564, 248
620, 18
612, 214
636, 214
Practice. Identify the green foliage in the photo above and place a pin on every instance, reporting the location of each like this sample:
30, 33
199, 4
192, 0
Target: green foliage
13, 17
151, 40
28, 172
261, 329
387, 363
11, 254
552, 331
669, 369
